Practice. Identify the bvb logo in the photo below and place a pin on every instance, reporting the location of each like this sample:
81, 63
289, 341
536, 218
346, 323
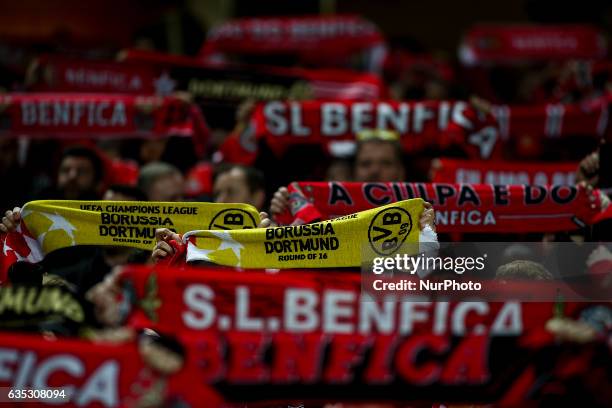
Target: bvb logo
232, 219
389, 229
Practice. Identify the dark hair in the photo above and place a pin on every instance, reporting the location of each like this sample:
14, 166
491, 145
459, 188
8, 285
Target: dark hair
89, 154
154, 171
254, 177
25, 273
130, 191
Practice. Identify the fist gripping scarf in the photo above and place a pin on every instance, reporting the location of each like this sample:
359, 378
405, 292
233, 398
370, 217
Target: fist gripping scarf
50, 225
342, 242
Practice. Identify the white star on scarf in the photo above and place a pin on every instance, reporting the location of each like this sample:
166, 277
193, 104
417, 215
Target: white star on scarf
6, 249
59, 223
227, 242
36, 254
197, 253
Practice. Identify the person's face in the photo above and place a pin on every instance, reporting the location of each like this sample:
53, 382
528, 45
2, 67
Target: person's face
378, 162
76, 176
167, 188
232, 187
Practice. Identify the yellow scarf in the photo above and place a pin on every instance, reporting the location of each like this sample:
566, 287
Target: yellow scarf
343, 242
58, 224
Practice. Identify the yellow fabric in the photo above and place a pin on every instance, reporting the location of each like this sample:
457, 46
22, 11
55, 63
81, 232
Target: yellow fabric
58, 224
342, 242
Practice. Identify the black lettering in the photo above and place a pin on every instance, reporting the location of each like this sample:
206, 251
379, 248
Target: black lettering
384, 233
444, 191
467, 194
339, 193
423, 192
532, 198
233, 219
392, 218
368, 191
501, 195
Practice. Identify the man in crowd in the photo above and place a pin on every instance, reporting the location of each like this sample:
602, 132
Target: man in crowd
161, 182
79, 176
378, 157
239, 184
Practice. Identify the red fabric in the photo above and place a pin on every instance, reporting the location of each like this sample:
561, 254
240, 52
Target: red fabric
199, 180
397, 62
122, 172
601, 269
316, 83
61, 74
267, 297
513, 43
178, 257
45, 115
306, 329
98, 374
604, 215
420, 125
554, 120
18, 245
316, 37
463, 207
502, 172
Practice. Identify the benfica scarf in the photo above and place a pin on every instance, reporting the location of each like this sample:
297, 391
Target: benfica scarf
50, 225
459, 207
44, 115
145, 72
502, 172
311, 328
420, 125
294, 336
342, 242
515, 43
94, 374
310, 37
554, 120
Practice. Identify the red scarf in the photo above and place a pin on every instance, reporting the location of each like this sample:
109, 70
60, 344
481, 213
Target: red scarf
44, 115
145, 72
554, 120
420, 125
459, 207
313, 38
259, 332
502, 172
514, 43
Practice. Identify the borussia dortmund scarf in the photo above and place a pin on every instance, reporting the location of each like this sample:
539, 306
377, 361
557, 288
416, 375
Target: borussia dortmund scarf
53, 224
342, 242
